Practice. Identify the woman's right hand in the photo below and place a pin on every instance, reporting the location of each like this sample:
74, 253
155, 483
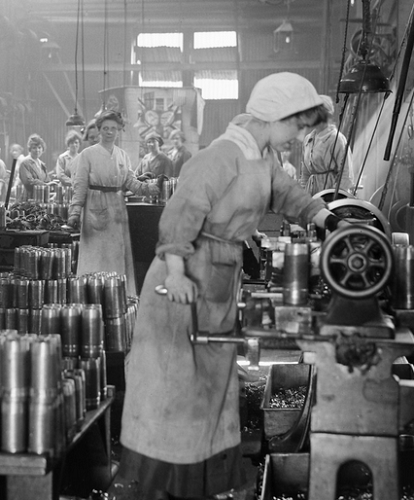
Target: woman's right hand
145, 177
180, 289
74, 221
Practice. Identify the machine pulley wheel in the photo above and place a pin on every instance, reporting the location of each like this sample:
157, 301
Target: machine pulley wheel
362, 210
328, 195
356, 261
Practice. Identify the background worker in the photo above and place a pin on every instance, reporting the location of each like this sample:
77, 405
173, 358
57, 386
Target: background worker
324, 150
33, 171
65, 164
103, 174
178, 154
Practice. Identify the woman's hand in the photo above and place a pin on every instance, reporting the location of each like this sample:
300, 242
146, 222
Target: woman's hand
74, 221
153, 190
145, 177
180, 289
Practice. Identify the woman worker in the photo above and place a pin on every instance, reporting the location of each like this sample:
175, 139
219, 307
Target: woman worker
103, 173
32, 170
65, 163
178, 154
91, 133
180, 426
155, 162
323, 154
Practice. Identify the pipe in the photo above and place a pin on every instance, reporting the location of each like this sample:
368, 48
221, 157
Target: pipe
9, 187
401, 86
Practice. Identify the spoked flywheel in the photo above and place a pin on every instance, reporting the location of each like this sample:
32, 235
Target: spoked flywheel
356, 261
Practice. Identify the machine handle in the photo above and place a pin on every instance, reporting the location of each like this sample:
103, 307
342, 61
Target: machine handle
161, 290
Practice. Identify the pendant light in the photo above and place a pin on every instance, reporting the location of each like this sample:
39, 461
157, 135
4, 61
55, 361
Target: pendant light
105, 55
76, 120
364, 76
282, 36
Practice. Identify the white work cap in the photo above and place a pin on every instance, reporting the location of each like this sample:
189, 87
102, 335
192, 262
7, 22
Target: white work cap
280, 95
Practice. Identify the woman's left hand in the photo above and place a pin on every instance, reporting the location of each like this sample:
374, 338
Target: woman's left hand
153, 190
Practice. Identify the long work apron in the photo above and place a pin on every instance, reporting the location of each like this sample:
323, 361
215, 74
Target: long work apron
181, 403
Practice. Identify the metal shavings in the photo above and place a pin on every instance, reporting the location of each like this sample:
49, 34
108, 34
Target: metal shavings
288, 398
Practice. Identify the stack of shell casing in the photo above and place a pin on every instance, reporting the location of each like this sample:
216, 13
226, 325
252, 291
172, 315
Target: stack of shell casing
90, 313
41, 406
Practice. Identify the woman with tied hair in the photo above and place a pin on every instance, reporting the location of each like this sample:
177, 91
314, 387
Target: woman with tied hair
178, 154
103, 174
91, 133
180, 424
32, 170
324, 150
65, 165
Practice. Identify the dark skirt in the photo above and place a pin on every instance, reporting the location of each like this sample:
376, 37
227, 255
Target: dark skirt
218, 474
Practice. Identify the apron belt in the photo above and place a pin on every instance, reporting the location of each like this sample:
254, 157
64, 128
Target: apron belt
221, 240
324, 172
105, 189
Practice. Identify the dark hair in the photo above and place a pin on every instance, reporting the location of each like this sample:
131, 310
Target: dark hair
153, 136
72, 136
89, 126
36, 140
178, 133
318, 114
110, 114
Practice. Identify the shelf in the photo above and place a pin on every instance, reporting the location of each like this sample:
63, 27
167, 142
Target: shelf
30, 464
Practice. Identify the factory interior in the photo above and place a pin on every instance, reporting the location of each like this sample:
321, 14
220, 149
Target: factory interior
322, 333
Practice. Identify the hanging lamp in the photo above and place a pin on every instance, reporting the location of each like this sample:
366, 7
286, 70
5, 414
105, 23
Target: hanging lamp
282, 35
105, 56
364, 76
76, 120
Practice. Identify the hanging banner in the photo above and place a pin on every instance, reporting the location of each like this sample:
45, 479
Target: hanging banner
156, 109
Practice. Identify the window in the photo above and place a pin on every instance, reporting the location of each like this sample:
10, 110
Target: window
212, 39
215, 46
217, 84
161, 48
208, 48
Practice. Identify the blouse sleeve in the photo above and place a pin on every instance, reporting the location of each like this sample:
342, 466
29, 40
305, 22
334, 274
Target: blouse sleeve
132, 183
183, 217
80, 184
340, 149
60, 171
291, 200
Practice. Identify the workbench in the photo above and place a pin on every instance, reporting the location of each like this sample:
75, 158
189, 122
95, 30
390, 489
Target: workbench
84, 465
143, 226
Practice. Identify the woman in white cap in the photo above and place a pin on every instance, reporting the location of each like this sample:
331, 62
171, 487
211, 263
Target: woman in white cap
324, 150
180, 427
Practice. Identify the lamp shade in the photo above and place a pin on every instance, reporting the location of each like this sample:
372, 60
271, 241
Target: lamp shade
75, 120
365, 77
100, 111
